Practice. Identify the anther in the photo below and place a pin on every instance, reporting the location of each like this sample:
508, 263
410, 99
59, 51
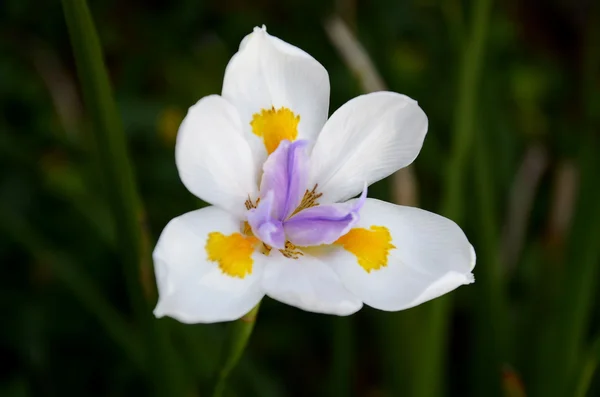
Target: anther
309, 200
291, 251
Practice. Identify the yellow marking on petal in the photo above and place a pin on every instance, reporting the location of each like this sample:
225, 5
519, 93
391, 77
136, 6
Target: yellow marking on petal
274, 126
233, 253
370, 246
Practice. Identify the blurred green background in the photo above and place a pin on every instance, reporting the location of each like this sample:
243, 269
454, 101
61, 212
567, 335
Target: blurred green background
512, 92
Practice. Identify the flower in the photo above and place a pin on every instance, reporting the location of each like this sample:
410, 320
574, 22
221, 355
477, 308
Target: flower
280, 177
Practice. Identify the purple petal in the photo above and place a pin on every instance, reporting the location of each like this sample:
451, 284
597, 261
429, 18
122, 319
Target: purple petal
286, 174
323, 224
268, 230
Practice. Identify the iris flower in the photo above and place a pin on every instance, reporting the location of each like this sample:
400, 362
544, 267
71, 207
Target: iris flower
280, 177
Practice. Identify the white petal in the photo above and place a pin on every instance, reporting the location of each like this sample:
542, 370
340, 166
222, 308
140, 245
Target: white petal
367, 139
308, 284
214, 160
267, 72
432, 257
193, 289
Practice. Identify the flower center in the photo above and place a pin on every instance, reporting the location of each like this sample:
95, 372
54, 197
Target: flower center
274, 126
288, 217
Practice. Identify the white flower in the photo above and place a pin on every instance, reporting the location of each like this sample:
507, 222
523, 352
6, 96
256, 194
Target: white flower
278, 173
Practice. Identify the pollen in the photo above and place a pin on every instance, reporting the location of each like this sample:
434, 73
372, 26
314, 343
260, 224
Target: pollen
251, 204
291, 251
233, 253
370, 246
308, 200
274, 126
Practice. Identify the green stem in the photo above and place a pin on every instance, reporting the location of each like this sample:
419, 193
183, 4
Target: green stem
340, 378
556, 374
119, 184
428, 373
587, 370
237, 339
429, 379
109, 141
463, 130
491, 344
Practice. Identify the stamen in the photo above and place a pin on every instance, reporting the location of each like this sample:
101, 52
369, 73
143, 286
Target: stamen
246, 229
250, 205
309, 200
265, 249
291, 251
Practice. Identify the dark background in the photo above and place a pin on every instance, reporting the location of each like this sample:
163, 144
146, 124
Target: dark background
527, 197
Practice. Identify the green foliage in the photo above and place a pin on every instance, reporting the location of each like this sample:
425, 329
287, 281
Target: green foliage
499, 82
